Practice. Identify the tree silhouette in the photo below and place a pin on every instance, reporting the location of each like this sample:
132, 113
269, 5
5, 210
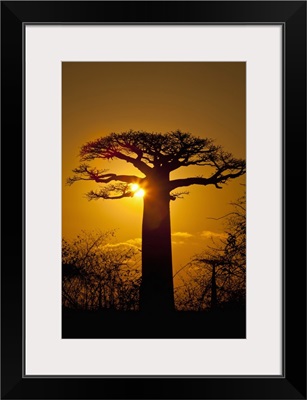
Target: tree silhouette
155, 155
216, 278
98, 277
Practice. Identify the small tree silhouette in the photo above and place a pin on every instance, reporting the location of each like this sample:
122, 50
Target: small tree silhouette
98, 277
155, 155
217, 276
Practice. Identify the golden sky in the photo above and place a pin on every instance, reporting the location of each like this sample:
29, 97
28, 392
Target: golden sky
206, 99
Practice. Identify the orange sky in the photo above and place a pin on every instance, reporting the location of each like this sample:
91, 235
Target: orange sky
205, 99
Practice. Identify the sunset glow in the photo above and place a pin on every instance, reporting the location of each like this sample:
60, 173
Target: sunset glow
134, 187
150, 143
103, 97
138, 192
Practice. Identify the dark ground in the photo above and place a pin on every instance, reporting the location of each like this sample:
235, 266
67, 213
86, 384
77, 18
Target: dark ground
221, 324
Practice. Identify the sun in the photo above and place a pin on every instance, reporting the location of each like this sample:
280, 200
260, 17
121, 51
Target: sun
138, 192
134, 187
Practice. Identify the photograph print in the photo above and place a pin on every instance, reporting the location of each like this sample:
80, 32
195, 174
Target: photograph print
153, 200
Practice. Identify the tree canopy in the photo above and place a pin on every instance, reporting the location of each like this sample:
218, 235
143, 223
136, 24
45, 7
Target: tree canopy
152, 154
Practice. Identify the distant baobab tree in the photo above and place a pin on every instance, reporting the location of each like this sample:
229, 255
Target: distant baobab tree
155, 155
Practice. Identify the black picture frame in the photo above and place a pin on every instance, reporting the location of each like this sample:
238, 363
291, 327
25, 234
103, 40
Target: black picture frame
292, 16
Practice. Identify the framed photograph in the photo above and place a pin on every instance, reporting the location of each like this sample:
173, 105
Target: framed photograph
155, 246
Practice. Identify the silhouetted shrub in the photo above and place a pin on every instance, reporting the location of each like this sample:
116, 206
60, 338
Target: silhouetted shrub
97, 276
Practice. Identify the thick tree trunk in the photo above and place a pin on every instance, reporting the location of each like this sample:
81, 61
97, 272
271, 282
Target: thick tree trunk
157, 293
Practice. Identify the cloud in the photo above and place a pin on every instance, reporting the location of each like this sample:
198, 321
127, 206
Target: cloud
211, 234
136, 243
177, 243
114, 245
183, 235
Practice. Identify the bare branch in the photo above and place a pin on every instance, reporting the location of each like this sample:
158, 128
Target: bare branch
140, 165
111, 192
85, 173
219, 177
224, 216
122, 146
178, 195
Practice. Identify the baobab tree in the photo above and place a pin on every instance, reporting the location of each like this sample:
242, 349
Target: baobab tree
155, 156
